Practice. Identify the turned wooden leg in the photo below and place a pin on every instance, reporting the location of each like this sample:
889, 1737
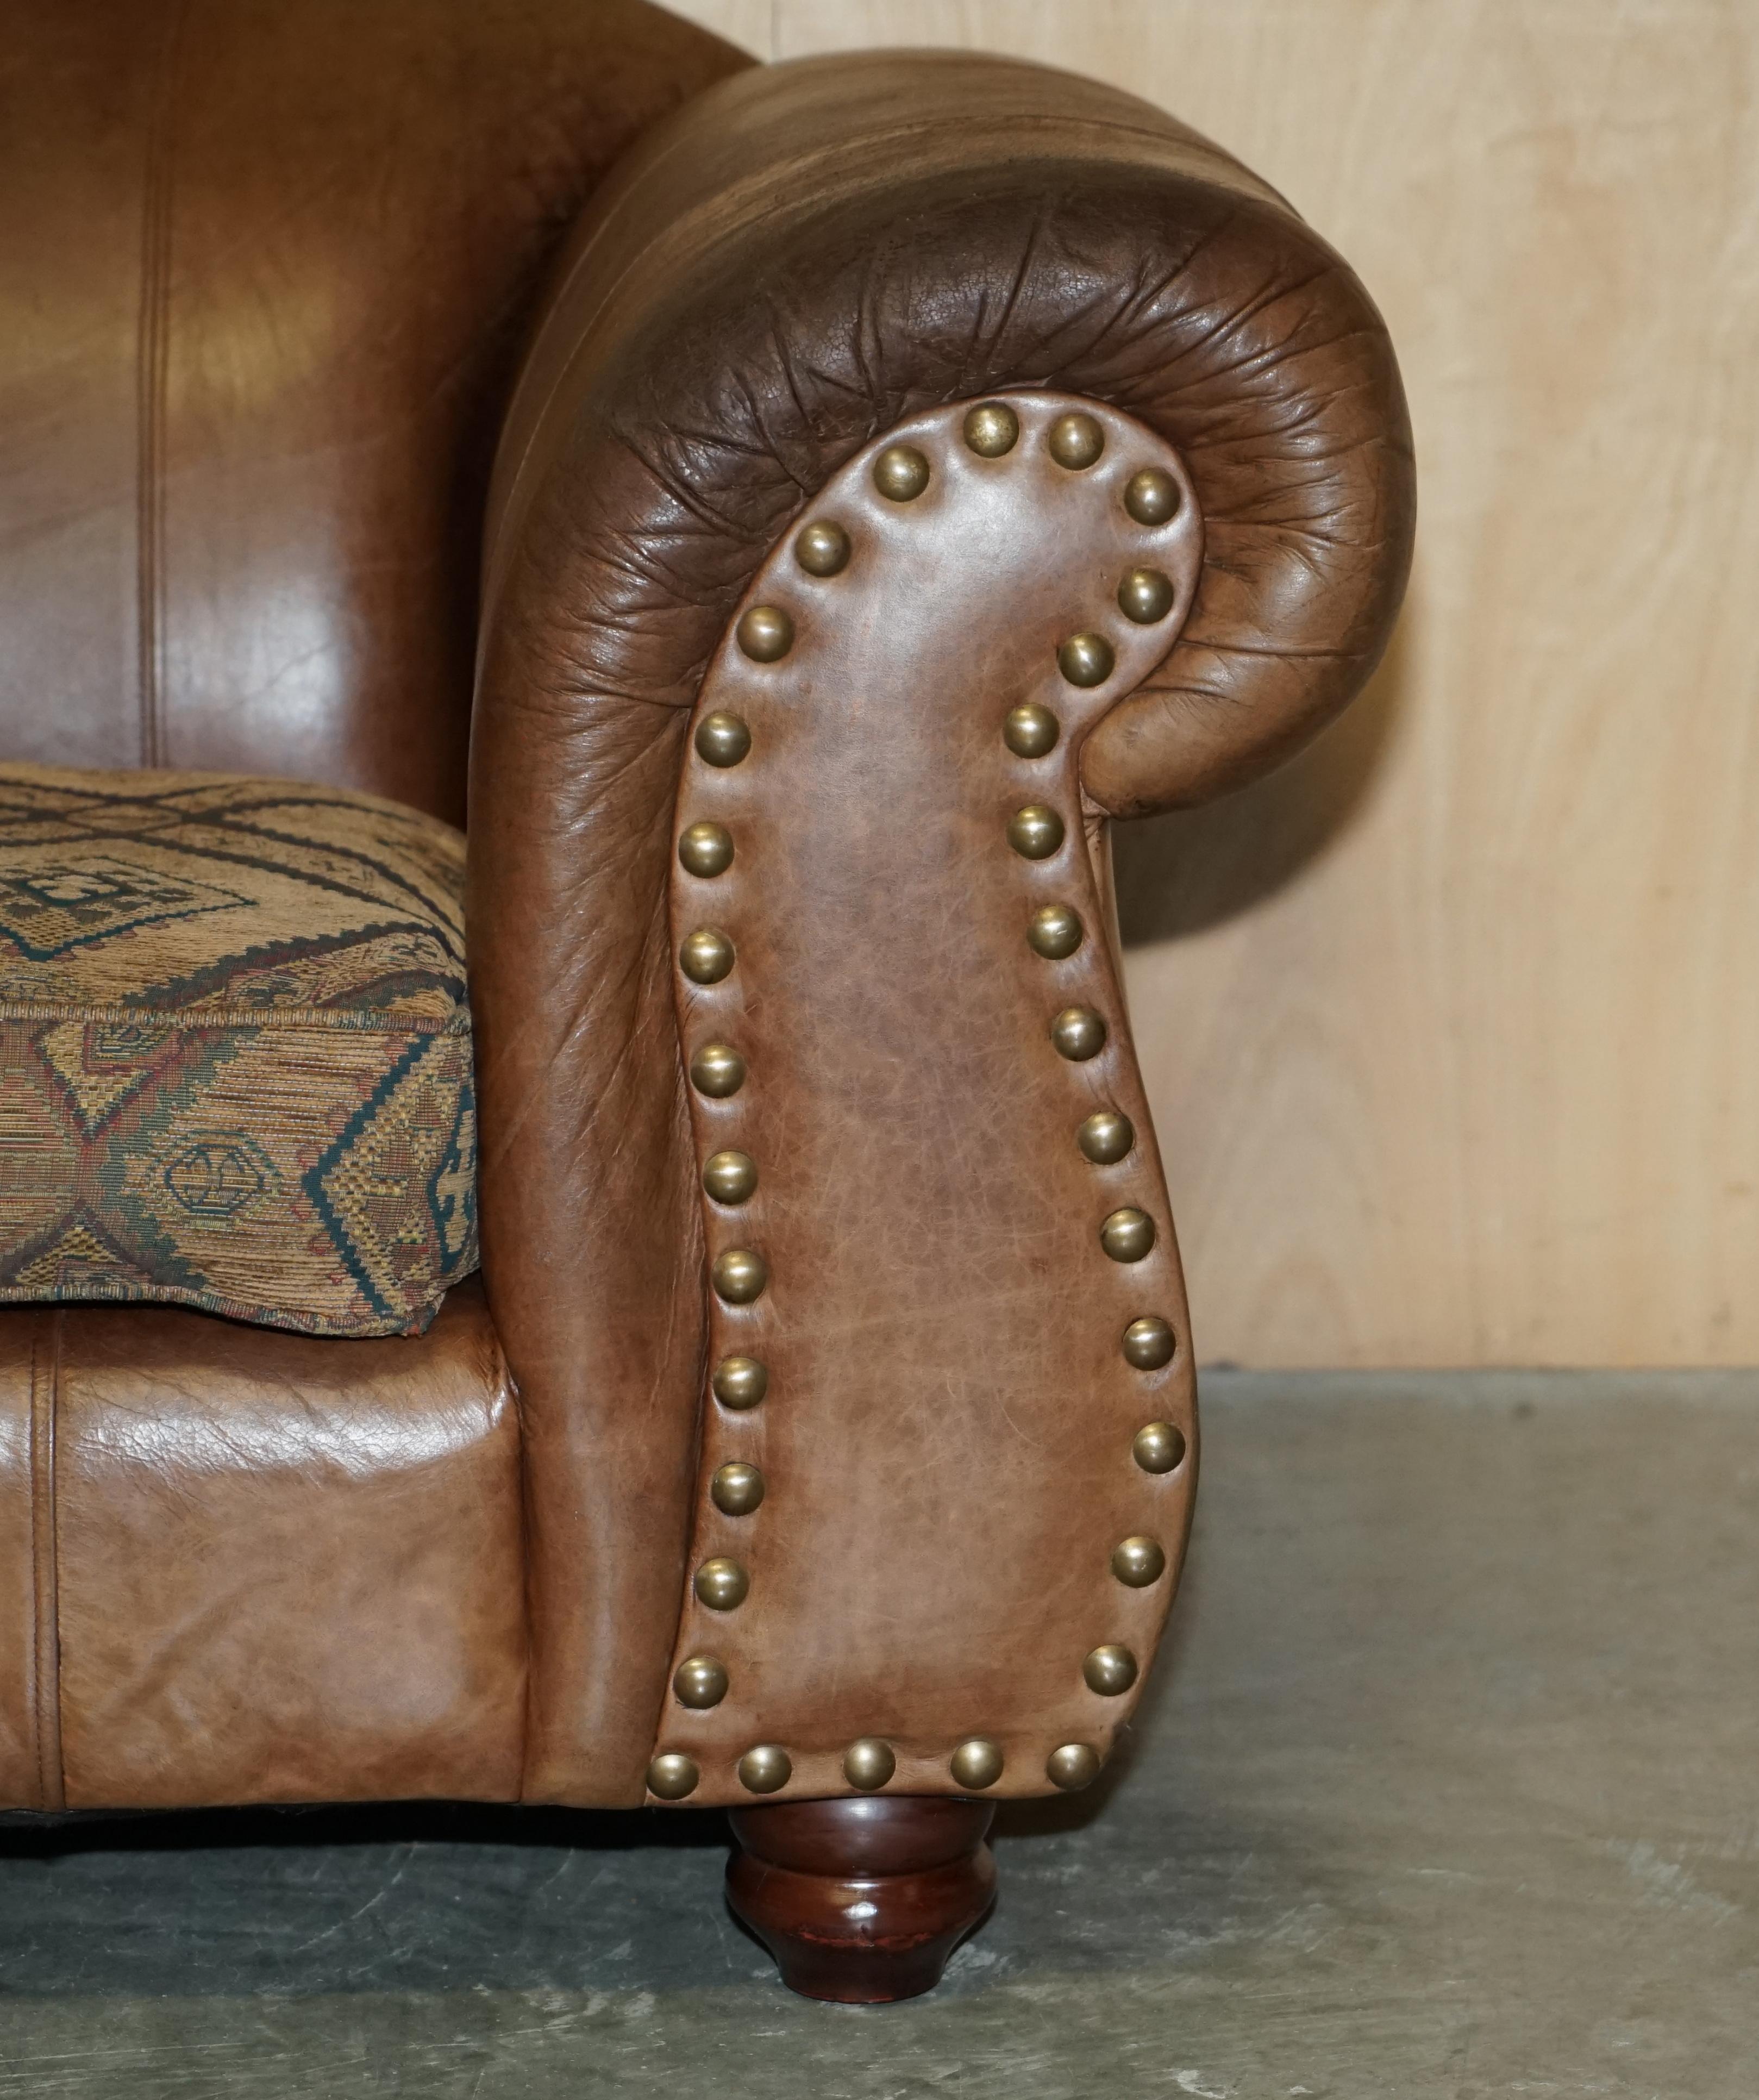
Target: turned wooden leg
862, 1900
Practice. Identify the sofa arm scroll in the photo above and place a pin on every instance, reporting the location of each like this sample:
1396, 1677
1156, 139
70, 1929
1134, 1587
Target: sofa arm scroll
808, 269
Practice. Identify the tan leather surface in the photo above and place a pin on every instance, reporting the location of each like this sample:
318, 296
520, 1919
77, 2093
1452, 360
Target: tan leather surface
260, 312
592, 1250
801, 259
265, 270
30, 1761
946, 1438
284, 1569
20, 1775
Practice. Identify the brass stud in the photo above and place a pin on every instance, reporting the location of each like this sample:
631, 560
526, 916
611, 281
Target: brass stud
765, 633
766, 1769
1127, 1235
1030, 730
717, 1071
1149, 1343
1055, 932
736, 1489
1137, 1562
1072, 1767
707, 955
1076, 441
900, 473
1110, 1670
740, 1382
1152, 497
977, 1764
1146, 596
672, 1776
1085, 659
722, 738
731, 1177
721, 1584
1159, 1448
822, 549
706, 849
1035, 832
991, 429
869, 1763
739, 1275
1106, 1137
1078, 1033
699, 1682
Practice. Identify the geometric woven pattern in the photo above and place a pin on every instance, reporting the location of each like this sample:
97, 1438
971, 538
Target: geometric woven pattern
234, 1049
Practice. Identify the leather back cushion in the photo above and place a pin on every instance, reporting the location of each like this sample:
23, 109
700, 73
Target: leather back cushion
235, 1053
266, 268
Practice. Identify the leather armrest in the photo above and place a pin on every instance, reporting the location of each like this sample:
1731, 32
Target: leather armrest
809, 251
798, 261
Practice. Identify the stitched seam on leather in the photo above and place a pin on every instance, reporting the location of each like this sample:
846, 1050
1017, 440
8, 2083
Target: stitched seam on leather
510, 1385
150, 374
32, 1688
45, 1704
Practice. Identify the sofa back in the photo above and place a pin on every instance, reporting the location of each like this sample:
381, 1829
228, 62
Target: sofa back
265, 274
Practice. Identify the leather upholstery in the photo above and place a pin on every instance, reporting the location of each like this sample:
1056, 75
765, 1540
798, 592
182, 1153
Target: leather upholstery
262, 310
801, 259
927, 226
240, 1565
946, 1441
265, 273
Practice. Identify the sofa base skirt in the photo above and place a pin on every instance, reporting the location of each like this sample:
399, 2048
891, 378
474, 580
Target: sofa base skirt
238, 1565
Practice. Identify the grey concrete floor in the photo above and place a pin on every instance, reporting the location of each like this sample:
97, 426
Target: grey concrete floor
1448, 1783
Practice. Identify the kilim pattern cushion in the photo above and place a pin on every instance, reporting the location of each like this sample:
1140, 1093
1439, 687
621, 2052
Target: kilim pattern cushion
235, 1050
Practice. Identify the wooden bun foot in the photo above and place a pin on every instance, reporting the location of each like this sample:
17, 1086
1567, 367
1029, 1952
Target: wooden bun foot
863, 1901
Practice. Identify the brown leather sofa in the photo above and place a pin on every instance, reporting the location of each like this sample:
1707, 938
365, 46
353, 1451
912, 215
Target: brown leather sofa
881, 472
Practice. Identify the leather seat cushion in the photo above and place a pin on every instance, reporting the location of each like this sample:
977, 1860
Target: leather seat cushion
234, 1049
238, 1566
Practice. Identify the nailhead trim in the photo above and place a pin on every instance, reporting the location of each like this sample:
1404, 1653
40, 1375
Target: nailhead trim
765, 634
1086, 662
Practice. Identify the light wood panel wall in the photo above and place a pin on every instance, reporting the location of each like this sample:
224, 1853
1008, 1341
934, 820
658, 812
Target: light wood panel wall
1453, 1028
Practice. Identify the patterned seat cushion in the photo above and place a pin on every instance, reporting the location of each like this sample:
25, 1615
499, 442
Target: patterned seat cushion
235, 1050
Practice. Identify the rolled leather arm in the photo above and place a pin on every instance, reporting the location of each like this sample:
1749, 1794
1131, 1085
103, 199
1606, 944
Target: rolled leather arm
800, 263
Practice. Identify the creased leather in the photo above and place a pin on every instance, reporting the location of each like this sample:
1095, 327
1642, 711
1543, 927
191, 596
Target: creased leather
265, 274
798, 261
284, 1569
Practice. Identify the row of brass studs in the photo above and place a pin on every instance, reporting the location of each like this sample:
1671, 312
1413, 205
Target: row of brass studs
868, 1765
1146, 596
765, 634
739, 1275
